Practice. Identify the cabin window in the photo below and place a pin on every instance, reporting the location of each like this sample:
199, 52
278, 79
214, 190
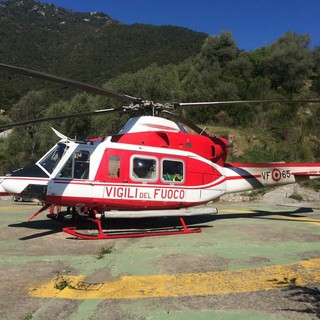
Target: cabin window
173, 170
144, 168
114, 167
77, 166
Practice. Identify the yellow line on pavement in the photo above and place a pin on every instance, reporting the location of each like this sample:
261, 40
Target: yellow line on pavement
189, 284
21, 207
233, 211
8, 207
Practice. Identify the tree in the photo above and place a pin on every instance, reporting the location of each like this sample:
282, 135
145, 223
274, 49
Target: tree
31, 106
211, 77
221, 48
289, 63
315, 87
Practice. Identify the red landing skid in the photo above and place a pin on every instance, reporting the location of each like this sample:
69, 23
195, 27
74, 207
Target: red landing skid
102, 235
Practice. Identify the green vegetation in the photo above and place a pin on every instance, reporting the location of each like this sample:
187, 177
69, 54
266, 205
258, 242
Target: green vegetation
296, 196
28, 316
90, 47
62, 282
163, 64
105, 251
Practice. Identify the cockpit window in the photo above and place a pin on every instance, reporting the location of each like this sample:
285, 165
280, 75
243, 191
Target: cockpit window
77, 166
66, 171
52, 159
81, 165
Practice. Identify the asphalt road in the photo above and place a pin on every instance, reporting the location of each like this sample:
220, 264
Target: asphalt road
251, 261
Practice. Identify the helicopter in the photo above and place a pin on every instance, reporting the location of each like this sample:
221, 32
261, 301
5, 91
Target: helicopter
153, 167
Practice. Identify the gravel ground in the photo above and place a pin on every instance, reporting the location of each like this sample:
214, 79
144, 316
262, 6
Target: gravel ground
289, 194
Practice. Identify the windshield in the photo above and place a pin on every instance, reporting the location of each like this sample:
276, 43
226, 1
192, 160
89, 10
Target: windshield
52, 159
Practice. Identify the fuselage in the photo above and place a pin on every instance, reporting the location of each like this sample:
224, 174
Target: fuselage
151, 164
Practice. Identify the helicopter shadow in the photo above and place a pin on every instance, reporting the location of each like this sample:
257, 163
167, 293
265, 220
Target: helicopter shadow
116, 225
46, 228
269, 214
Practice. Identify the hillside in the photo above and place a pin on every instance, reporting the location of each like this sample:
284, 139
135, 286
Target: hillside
90, 47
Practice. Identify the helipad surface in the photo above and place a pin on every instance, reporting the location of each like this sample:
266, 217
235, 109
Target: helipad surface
251, 261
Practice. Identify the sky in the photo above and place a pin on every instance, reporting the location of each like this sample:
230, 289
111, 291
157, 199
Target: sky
253, 23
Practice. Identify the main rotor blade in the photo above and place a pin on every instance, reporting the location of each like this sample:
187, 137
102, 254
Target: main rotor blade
65, 116
77, 84
193, 104
182, 119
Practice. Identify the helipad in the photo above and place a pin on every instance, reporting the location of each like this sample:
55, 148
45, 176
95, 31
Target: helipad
251, 261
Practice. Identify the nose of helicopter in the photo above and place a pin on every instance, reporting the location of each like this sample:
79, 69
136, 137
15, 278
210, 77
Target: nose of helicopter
29, 183
13, 185
26, 187
3, 192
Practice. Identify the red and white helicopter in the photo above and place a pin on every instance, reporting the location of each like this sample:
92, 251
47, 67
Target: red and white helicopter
153, 167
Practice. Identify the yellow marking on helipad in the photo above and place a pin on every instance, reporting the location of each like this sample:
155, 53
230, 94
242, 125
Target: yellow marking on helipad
17, 207
9, 208
236, 211
188, 284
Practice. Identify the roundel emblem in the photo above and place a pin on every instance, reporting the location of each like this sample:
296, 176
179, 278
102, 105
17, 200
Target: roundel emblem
276, 175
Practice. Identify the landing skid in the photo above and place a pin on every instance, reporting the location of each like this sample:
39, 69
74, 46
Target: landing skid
102, 235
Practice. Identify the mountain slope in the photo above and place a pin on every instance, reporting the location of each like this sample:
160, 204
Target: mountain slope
90, 47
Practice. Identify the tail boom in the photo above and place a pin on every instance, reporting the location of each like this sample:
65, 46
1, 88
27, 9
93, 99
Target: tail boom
244, 177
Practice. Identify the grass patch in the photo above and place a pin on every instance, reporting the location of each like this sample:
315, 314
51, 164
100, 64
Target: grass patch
62, 282
105, 251
28, 316
296, 196
255, 194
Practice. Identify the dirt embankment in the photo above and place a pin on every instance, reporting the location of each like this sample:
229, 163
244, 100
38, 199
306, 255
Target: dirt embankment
291, 194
